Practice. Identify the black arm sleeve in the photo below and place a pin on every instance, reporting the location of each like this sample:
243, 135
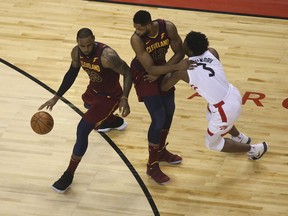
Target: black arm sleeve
68, 80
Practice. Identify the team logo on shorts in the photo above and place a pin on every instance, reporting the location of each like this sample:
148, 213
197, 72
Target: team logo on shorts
224, 127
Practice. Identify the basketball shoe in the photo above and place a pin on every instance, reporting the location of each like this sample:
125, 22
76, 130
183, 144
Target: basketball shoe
117, 124
166, 156
257, 151
64, 183
242, 138
155, 172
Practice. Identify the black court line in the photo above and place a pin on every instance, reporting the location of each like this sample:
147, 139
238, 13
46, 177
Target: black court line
107, 138
190, 9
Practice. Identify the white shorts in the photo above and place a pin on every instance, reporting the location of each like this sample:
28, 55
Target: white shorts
221, 118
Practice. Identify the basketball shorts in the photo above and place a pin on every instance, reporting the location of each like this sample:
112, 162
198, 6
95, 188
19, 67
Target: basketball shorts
221, 118
100, 106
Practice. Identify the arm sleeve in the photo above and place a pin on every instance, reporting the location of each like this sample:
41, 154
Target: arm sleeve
68, 80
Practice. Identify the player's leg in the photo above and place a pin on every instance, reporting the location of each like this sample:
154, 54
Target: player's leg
156, 110
99, 111
169, 106
233, 108
216, 142
83, 130
222, 119
254, 151
238, 136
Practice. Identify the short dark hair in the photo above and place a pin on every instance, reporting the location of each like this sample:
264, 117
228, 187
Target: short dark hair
197, 42
84, 33
142, 17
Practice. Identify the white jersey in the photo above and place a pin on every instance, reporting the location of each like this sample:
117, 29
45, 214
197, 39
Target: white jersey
224, 107
209, 78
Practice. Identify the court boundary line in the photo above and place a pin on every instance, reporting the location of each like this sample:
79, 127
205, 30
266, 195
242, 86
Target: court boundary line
191, 9
105, 136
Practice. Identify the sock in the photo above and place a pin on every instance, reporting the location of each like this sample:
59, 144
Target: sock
163, 136
153, 154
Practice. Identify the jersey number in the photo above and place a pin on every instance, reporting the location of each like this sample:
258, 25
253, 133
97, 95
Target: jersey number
212, 72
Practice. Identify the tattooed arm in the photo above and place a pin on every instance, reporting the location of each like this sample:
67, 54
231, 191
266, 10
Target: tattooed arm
110, 59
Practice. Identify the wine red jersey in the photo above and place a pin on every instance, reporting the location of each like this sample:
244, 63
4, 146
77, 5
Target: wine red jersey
104, 90
103, 81
157, 47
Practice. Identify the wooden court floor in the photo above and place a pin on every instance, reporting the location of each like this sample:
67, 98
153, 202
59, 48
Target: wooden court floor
37, 36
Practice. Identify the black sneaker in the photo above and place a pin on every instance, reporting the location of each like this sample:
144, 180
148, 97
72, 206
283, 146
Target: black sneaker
118, 124
63, 183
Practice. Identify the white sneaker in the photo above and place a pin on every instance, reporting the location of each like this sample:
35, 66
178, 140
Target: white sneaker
257, 151
242, 138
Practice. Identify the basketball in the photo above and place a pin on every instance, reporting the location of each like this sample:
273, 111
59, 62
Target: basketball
42, 122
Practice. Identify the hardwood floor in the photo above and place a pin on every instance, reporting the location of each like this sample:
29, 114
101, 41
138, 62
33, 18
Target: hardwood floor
37, 36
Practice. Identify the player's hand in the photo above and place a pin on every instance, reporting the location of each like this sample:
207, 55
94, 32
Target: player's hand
150, 78
186, 64
124, 107
50, 103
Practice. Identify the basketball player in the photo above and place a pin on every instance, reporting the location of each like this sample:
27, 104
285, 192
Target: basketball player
150, 43
103, 96
224, 100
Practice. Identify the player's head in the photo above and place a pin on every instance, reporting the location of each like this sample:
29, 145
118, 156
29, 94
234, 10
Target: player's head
142, 22
85, 40
195, 43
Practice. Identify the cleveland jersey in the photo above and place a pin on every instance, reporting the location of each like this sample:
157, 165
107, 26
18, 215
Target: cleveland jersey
209, 78
157, 48
103, 81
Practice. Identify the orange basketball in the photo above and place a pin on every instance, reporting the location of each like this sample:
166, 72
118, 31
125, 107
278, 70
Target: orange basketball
42, 122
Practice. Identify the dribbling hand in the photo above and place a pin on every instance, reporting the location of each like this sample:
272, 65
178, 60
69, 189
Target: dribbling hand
50, 103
